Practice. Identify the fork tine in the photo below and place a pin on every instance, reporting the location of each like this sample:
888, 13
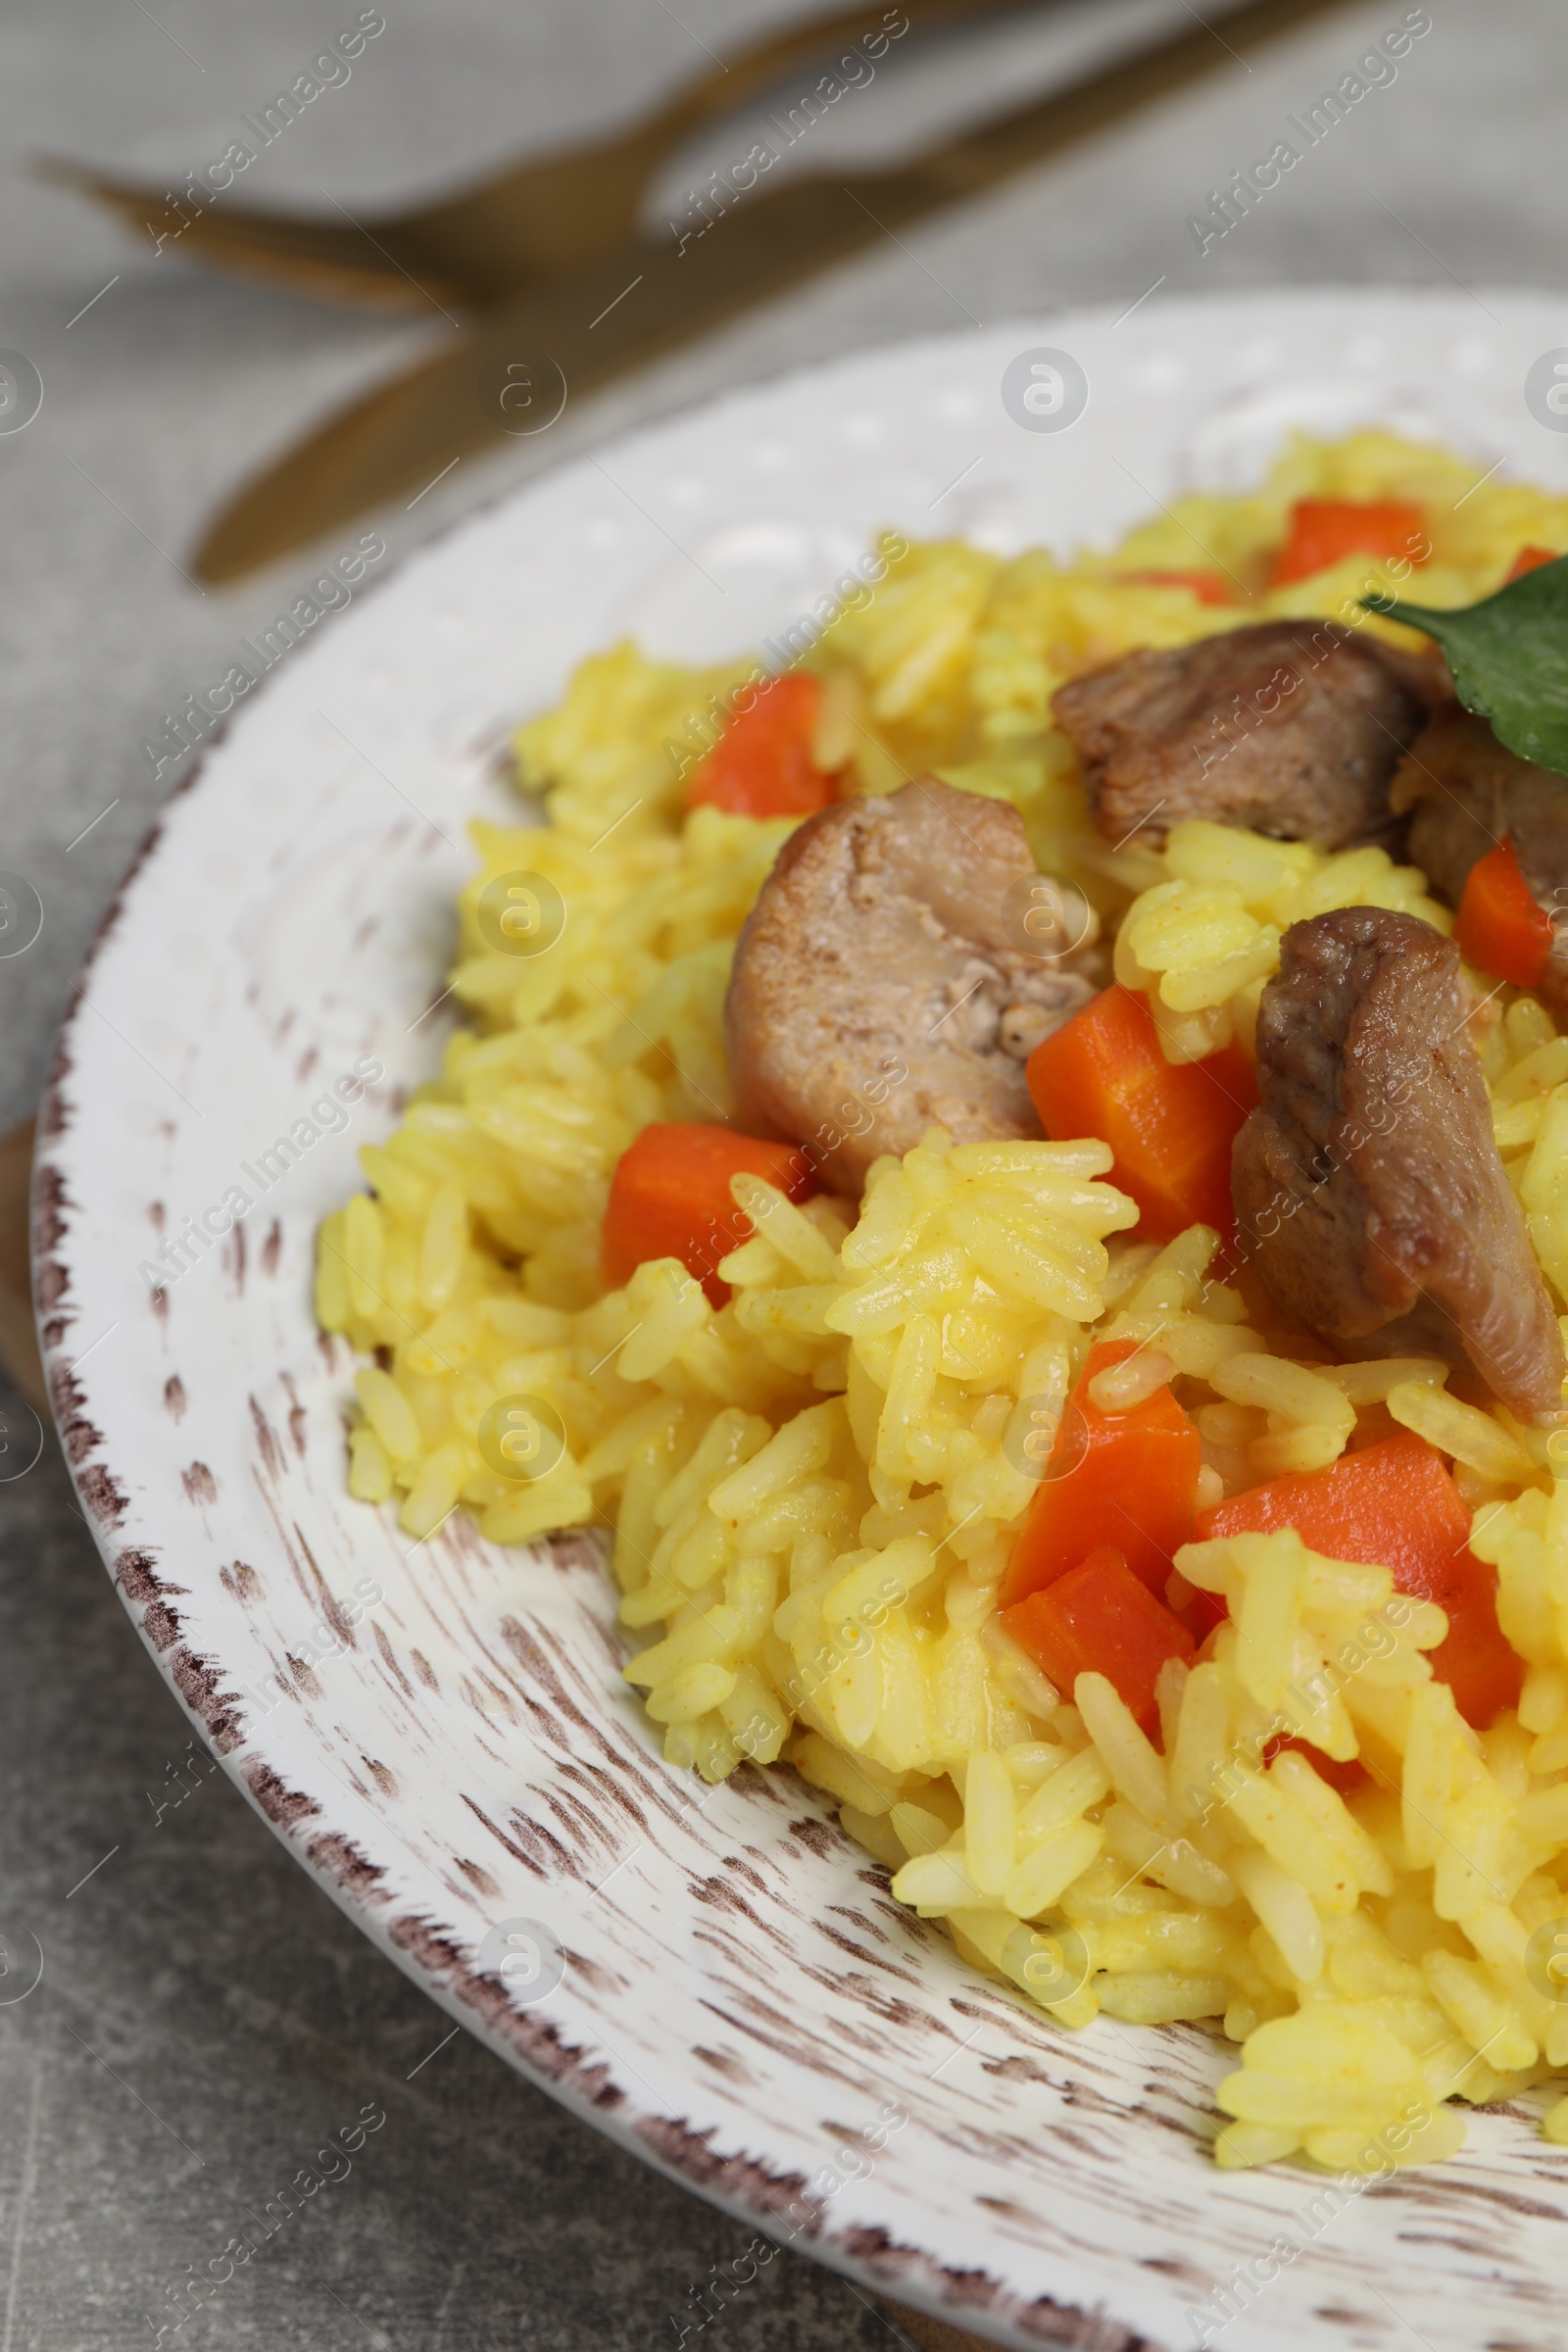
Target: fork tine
336, 261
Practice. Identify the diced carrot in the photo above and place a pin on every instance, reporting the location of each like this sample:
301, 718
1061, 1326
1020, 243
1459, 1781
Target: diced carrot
1500, 925
1209, 587
1099, 1619
1199, 1612
670, 1197
1478, 1664
1171, 1125
1531, 558
1344, 1775
1128, 1479
1324, 531
1394, 1505
761, 765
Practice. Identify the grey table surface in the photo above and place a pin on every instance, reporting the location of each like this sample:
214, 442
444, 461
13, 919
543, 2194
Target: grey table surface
205, 2015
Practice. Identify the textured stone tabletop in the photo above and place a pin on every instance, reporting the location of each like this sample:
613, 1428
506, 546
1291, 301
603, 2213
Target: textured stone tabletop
206, 2015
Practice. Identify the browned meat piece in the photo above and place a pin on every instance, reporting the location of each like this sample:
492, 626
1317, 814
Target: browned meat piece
1292, 729
1367, 1181
1467, 792
902, 960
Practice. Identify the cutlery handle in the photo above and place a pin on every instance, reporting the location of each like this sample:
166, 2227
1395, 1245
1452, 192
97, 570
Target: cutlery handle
733, 85
18, 1337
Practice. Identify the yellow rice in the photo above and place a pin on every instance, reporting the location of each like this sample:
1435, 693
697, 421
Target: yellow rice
813, 1489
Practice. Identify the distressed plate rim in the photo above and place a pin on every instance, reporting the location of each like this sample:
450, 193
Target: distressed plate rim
890, 2235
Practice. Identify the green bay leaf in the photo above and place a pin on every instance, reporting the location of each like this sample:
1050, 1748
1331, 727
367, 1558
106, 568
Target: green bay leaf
1509, 658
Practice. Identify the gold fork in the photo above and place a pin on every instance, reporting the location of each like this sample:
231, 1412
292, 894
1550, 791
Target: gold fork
509, 233
584, 326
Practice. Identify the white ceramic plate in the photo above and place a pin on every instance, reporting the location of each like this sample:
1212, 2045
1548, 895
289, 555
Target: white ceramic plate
741, 2003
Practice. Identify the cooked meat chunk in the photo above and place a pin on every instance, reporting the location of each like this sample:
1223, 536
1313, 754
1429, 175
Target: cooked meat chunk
905, 957
1466, 791
1367, 1181
1293, 727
